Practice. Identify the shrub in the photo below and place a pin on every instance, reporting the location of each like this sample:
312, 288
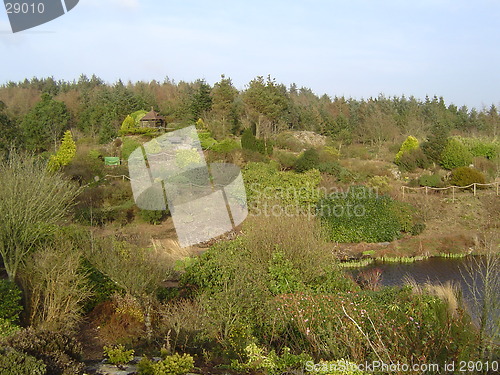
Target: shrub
307, 160
153, 217
265, 183
85, 166
455, 155
55, 286
249, 142
206, 140
380, 184
117, 355
288, 141
59, 352
10, 301
171, 365
410, 144
413, 159
286, 159
360, 214
272, 363
464, 176
433, 180
128, 146
226, 145
102, 286
13, 362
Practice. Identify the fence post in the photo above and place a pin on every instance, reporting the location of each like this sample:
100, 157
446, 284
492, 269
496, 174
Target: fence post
474, 185
453, 193
403, 188
426, 188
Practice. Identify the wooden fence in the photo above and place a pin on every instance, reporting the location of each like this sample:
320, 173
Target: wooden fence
474, 187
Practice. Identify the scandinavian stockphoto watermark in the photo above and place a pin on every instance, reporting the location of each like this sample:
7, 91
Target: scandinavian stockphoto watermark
205, 200
25, 14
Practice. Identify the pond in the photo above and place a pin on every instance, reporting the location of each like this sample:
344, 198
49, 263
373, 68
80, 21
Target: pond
463, 272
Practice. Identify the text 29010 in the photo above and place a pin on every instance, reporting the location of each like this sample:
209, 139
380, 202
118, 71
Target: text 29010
25, 8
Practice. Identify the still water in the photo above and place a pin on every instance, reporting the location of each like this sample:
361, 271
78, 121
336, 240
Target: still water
461, 271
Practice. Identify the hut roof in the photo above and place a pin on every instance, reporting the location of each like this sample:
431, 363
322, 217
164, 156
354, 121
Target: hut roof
152, 116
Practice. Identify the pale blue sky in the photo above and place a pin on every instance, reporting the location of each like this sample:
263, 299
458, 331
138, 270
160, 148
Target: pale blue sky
356, 48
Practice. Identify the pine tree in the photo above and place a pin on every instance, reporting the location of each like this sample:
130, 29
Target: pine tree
64, 154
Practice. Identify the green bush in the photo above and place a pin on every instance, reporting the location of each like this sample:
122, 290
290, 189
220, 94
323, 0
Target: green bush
410, 144
59, 352
101, 285
264, 182
128, 146
360, 214
249, 142
117, 355
153, 217
307, 161
287, 141
10, 301
171, 365
13, 362
464, 176
455, 154
413, 159
226, 145
433, 180
482, 147
286, 159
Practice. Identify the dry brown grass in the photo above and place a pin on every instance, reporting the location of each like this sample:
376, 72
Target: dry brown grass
301, 239
447, 292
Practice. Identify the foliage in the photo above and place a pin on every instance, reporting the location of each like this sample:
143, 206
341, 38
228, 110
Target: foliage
380, 183
44, 124
153, 217
308, 160
265, 183
136, 270
171, 365
489, 149
286, 159
13, 362
272, 363
464, 176
117, 355
431, 180
64, 155
206, 140
390, 325
413, 159
436, 142
55, 286
455, 155
284, 278
128, 146
60, 353
250, 142
10, 301
101, 286
410, 143
360, 214
33, 201
131, 123
226, 145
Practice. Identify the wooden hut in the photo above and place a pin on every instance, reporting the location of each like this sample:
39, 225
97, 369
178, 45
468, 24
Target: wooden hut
152, 119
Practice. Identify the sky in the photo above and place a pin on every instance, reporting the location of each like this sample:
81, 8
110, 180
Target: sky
351, 48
